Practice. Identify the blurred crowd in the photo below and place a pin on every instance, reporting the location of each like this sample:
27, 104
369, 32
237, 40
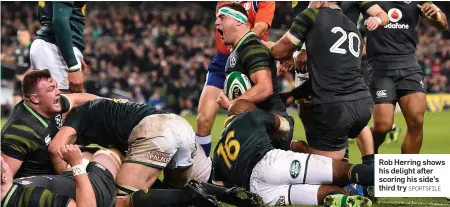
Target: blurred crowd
158, 53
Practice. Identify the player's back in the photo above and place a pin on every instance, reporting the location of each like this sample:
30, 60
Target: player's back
76, 21
63, 184
107, 122
244, 142
334, 47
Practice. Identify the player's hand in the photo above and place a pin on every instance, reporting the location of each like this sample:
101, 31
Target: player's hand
283, 67
371, 23
223, 101
429, 10
287, 98
76, 81
71, 154
84, 66
300, 62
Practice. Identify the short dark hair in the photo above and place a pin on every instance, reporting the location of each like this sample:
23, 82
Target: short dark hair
235, 6
31, 80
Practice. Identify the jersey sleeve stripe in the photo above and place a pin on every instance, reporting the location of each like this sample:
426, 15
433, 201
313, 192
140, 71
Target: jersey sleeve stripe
293, 39
26, 129
362, 3
259, 50
31, 145
258, 68
311, 13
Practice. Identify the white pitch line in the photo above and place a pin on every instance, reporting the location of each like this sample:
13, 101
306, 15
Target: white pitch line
413, 203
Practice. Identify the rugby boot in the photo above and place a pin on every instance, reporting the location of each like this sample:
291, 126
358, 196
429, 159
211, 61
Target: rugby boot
341, 200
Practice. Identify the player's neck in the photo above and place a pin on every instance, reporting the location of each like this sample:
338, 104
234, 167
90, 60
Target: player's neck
239, 35
41, 112
5, 189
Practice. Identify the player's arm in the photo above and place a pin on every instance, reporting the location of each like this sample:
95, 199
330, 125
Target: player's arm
66, 135
63, 34
431, 12
256, 59
295, 37
274, 123
374, 10
17, 142
85, 195
264, 18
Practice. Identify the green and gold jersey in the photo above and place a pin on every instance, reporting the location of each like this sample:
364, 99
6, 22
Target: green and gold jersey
250, 56
26, 136
244, 142
62, 24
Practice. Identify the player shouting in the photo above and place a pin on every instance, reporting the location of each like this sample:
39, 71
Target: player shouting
260, 15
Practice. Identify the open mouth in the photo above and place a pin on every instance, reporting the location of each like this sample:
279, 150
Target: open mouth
220, 32
56, 101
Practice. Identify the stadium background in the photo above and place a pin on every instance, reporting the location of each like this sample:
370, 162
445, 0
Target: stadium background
158, 52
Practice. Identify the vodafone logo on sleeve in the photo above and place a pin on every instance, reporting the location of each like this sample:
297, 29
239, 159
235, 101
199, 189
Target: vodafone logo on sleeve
395, 15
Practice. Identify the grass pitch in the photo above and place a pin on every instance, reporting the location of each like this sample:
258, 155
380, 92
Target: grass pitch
436, 141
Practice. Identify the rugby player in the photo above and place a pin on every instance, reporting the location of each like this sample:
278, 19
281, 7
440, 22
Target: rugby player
397, 76
253, 59
22, 61
338, 88
83, 186
352, 10
59, 44
34, 122
260, 16
245, 157
152, 139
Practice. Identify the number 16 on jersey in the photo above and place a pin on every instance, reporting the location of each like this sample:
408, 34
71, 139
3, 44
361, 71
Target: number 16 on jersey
229, 150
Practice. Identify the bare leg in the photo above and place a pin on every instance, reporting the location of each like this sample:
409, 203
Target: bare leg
383, 117
413, 107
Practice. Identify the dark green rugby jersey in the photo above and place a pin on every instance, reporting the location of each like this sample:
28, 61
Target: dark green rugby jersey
352, 9
334, 46
106, 122
26, 136
250, 56
19, 195
56, 29
244, 142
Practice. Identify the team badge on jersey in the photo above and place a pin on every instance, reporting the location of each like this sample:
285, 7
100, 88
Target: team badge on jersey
295, 169
233, 60
47, 140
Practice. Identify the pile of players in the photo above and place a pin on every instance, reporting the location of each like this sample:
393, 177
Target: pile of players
83, 150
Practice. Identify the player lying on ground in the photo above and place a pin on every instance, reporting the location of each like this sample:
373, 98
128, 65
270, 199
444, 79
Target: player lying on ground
260, 16
245, 157
154, 140
34, 122
84, 186
251, 58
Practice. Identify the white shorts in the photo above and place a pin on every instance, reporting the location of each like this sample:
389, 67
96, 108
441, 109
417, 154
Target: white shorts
164, 141
45, 55
290, 178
